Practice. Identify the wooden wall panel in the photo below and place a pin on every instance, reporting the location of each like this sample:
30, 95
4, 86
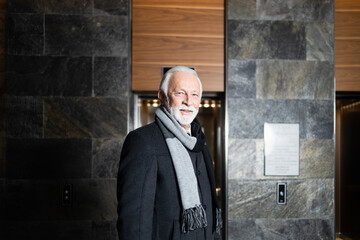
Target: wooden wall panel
347, 45
347, 5
207, 4
349, 78
174, 32
177, 50
150, 20
347, 24
149, 76
347, 52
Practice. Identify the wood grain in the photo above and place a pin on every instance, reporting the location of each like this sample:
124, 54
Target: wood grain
147, 77
347, 78
206, 4
169, 21
347, 24
183, 49
347, 51
347, 5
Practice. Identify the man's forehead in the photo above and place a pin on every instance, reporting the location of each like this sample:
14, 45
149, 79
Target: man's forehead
179, 79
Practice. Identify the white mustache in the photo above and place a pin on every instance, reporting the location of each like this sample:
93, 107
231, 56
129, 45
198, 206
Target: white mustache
186, 108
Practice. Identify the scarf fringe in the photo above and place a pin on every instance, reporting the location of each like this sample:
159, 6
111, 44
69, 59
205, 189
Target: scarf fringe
218, 220
193, 218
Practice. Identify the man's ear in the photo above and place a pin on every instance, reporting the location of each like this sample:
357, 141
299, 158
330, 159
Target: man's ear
161, 97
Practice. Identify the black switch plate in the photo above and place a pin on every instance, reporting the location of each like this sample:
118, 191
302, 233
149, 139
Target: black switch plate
281, 193
66, 194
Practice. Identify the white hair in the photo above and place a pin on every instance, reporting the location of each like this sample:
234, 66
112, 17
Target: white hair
167, 76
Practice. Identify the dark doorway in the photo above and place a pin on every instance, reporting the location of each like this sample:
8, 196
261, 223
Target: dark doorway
348, 164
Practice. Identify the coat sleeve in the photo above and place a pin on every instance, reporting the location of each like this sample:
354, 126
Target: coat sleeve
136, 185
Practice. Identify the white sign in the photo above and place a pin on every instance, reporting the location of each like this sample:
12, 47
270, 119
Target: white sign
281, 149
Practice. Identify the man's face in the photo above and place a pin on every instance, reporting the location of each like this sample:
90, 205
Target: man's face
183, 97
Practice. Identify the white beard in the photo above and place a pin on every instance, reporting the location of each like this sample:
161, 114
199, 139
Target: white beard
183, 120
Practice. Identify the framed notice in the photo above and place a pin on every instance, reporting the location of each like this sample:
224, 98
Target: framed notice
281, 149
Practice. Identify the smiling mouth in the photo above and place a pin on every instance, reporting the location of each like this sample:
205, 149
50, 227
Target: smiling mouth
186, 111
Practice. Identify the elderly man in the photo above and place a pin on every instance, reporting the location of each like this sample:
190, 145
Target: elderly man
166, 186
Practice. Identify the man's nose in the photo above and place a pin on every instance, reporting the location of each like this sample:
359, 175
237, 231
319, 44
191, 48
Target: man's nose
188, 100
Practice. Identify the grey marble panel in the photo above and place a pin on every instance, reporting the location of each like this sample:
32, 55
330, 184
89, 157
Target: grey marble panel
110, 36
25, 34
247, 116
68, 6
24, 117
111, 76
241, 80
277, 79
318, 118
49, 76
48, 158
305, 10
85, 117
41, 200
241, 9
25, 6
111, 7
106, 157
295, 229
266, 40
320, 41
310, 198
316, 159
69, 35
242, 157
61, 230
242, 229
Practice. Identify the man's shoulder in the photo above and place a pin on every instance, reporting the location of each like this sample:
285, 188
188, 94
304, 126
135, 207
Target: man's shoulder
150, 132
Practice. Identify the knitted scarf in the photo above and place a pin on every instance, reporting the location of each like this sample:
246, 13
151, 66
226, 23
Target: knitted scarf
178, 141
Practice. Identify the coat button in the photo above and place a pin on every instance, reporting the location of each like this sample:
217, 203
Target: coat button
198, 172
204, 206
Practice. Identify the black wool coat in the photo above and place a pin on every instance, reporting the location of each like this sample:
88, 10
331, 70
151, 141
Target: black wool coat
149, 204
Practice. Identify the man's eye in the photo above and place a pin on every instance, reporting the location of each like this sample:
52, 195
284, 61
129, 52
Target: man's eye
195, 95
180, 93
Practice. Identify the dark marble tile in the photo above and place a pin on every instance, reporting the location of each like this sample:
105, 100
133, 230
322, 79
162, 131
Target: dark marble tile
308, 198
241, 9
241, 81
39, 200
25, 6
49, 76
25, 34
48, 158
295, 229
111, 7
111, 76
242, 229
110, 36
278, 79
2, 200
247, 116
68, 6
85, 117
318, 118
61, 230
307, 10
106, 157
24, 117
68, 35
320, 41
266, 40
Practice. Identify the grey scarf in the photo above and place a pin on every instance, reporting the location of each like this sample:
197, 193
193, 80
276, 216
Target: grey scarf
178, 141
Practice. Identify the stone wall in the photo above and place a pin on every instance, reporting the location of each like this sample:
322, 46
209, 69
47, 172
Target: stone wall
280, 69
67, 91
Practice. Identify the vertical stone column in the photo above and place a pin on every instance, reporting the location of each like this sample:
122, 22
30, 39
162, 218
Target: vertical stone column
67, 89
280, 69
